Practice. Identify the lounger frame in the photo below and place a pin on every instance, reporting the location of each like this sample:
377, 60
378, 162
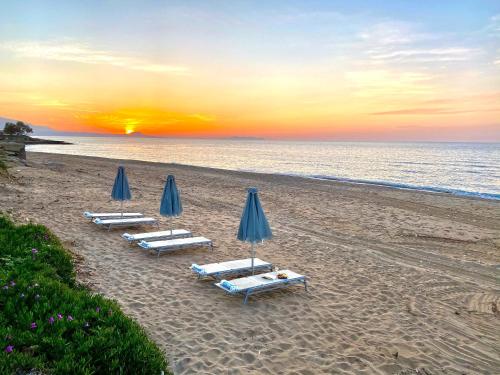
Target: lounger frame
170, 248
267, 287
235, 271
186, 234
129, 224
112, 215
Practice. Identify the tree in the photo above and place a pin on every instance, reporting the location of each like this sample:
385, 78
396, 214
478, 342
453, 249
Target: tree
19, 128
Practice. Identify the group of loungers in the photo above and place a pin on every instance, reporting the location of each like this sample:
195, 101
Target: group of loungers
251, 284
177, 239
161, 241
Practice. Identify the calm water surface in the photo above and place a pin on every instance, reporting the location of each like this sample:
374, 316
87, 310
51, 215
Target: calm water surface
459, 168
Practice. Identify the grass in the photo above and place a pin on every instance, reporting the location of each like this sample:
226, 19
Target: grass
51, 325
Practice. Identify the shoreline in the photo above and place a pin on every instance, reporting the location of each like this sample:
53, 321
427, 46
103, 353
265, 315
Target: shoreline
105, 135
426, 189
336, 180
43, 141
28, 140
398, 280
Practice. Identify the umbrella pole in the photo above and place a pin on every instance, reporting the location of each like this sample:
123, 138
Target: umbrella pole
253, 256
121, 208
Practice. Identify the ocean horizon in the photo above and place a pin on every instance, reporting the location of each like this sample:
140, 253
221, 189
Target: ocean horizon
460, 168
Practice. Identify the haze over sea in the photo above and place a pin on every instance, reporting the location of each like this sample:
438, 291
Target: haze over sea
458, 168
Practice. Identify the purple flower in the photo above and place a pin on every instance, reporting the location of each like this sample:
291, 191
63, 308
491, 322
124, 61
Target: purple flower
59, 316
70, 318
33, 325
12, 283
9, 349
34, 251
51, 320
6, 287
97, 309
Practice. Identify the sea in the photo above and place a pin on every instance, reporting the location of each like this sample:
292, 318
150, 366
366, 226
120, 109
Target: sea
470, 169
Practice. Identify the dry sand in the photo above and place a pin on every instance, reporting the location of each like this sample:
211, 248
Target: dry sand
399, 280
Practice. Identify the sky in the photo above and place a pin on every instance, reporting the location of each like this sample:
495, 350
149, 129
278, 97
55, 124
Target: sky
308, 70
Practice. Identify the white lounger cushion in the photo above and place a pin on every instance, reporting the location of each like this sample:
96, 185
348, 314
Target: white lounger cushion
160, 234
257, 281
95, 215
175, 243
138, 220
232, 265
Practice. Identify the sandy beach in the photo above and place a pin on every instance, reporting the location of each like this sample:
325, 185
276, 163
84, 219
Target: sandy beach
398, 280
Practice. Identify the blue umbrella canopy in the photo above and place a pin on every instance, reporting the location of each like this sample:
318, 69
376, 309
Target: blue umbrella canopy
253, 224
171, 200
121, 190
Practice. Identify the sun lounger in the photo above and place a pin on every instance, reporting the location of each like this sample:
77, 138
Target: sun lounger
162, 235
233, 267
110, 223
175, 244
113, 215
258, 283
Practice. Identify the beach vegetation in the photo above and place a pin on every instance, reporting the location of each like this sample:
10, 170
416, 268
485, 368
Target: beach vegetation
50, 324
17, 128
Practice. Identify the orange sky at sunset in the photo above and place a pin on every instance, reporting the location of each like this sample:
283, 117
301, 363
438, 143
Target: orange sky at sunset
387, 77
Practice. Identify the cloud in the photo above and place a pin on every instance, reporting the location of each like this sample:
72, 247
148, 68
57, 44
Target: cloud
485, 102
432, 54
384, 83
402, 42
493, 27
307, 16
82, 53
390, 33
427, 111
203, 118
491, 97
50, 103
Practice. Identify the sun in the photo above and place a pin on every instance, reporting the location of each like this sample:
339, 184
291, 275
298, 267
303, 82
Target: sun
130, 124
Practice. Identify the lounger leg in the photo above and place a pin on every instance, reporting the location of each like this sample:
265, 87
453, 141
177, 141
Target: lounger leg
305, 284
109, 227
246, 298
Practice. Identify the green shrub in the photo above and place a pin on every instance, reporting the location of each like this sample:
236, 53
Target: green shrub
50, 324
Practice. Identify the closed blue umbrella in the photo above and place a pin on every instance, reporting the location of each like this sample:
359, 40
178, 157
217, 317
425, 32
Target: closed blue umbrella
121, 190
253, 225
171, 205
